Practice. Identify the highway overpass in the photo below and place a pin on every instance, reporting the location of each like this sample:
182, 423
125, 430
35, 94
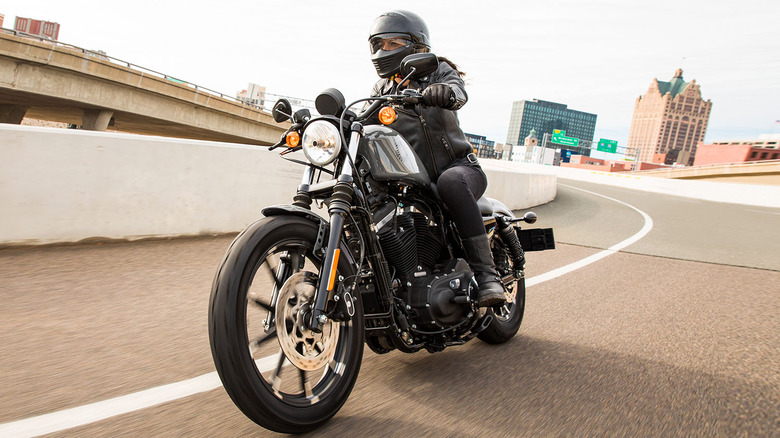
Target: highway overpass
63, 83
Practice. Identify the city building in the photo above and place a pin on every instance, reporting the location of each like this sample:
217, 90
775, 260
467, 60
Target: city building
2, 17
670, 119
544, 117
483, 147
590, 163
524, 153
254, 95
43, 29
767, 147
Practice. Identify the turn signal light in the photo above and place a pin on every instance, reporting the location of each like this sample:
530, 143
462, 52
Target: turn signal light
387, 115
293, 139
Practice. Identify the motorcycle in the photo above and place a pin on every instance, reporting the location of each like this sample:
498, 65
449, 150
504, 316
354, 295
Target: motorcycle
297, 295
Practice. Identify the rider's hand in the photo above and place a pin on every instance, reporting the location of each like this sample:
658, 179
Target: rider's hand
438, 95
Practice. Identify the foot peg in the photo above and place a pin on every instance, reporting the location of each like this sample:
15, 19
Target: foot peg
483, 323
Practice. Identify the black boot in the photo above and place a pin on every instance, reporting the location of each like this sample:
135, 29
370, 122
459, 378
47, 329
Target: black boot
479, 257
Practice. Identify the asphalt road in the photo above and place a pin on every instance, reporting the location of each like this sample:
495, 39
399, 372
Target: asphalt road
676, 335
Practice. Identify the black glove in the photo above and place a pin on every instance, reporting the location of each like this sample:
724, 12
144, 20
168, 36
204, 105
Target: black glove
438, 95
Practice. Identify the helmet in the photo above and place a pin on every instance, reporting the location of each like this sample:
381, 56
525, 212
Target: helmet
393, 36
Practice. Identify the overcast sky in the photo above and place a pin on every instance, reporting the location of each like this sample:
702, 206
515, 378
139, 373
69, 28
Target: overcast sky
595, 56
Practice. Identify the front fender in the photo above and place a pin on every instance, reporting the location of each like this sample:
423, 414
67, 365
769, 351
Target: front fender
287, 209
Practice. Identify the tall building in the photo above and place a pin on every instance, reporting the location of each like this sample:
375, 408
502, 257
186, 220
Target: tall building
670, 119
544, 117
254, 95
44, 29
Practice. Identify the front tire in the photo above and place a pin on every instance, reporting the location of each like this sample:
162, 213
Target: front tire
280, 375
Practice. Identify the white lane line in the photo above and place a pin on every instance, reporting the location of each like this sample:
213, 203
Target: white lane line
91, 413
555, 273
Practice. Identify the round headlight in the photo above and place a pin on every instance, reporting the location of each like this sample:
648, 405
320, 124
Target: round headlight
321, 142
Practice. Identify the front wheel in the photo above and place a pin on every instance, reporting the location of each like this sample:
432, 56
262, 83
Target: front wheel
507, 317
278, 373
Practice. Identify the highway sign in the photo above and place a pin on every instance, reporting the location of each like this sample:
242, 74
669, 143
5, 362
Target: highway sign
607, 146
559, 137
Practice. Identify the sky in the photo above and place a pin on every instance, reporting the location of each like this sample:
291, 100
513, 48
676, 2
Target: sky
595, 56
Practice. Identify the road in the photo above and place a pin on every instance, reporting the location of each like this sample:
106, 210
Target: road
674, 335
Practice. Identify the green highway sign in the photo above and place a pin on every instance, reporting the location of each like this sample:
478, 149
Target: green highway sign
607, 146
559, 137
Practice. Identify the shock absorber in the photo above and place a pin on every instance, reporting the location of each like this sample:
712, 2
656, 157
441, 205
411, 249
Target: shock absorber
509, 237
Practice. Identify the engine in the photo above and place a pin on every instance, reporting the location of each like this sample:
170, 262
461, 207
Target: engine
433, 286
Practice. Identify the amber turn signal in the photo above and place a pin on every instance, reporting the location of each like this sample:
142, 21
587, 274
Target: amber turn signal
293, 139
387, 115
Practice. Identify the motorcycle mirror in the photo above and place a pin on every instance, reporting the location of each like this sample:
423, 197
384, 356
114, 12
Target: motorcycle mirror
330, 102
421, 64
303, 115
282, 110
530, 217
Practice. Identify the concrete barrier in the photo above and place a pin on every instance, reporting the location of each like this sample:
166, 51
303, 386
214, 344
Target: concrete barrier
61, 185
747, 194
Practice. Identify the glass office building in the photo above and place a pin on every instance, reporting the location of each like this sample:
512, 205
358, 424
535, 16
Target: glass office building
544, 117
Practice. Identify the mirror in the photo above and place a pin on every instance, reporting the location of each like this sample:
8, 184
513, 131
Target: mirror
282, 110
330, 102
423, 63
303, 115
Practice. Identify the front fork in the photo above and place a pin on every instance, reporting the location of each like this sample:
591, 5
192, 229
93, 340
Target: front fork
338, 208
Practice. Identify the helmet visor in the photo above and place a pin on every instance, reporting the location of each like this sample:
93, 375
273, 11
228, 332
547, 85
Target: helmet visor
389, 42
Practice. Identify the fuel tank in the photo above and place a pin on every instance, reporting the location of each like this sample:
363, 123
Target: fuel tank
391, 158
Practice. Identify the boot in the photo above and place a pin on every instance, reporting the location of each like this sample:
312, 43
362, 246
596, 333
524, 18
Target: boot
480, 258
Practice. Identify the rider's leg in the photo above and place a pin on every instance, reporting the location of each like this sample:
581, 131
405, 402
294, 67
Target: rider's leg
459, 187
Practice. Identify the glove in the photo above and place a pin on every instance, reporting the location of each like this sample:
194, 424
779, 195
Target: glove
440, 95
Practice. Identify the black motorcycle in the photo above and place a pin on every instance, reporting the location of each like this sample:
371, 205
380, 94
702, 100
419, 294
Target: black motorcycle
297, 295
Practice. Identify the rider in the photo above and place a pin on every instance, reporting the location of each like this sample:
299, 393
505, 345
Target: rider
435, 135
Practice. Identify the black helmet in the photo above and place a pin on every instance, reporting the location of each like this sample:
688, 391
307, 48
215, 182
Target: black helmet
393, 36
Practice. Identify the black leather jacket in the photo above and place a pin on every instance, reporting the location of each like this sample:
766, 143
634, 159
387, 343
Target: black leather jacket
434, 133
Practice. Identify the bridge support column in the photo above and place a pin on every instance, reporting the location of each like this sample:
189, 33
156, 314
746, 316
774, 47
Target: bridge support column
96, 120
10, 113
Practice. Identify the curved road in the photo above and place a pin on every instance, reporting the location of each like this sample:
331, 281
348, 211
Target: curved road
675, 335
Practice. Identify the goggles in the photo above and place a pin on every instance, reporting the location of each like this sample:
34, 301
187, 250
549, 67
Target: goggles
389, 42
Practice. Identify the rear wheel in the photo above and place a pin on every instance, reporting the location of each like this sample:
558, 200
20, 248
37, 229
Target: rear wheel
508, 317
278, 373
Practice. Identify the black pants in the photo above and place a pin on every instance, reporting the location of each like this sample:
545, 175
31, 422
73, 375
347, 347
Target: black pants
459, 188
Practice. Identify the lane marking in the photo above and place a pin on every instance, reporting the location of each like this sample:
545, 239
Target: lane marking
555, 273
94, 412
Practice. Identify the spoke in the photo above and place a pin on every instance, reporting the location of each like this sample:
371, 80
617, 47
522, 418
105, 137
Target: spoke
272, 272
277, 379
256, 300
305, 385
255, 345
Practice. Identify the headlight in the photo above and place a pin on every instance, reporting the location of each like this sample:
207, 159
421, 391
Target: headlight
321, 142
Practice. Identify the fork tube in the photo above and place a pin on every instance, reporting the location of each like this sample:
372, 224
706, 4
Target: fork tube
340, 203
302, 198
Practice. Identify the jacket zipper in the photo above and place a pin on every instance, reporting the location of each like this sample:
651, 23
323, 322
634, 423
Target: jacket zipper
444, 141
448, 148
430, 146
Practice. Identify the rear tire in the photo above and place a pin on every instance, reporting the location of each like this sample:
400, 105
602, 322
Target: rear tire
508, 317
280, 375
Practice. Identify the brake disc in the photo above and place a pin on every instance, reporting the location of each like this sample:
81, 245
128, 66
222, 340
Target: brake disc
304, 348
